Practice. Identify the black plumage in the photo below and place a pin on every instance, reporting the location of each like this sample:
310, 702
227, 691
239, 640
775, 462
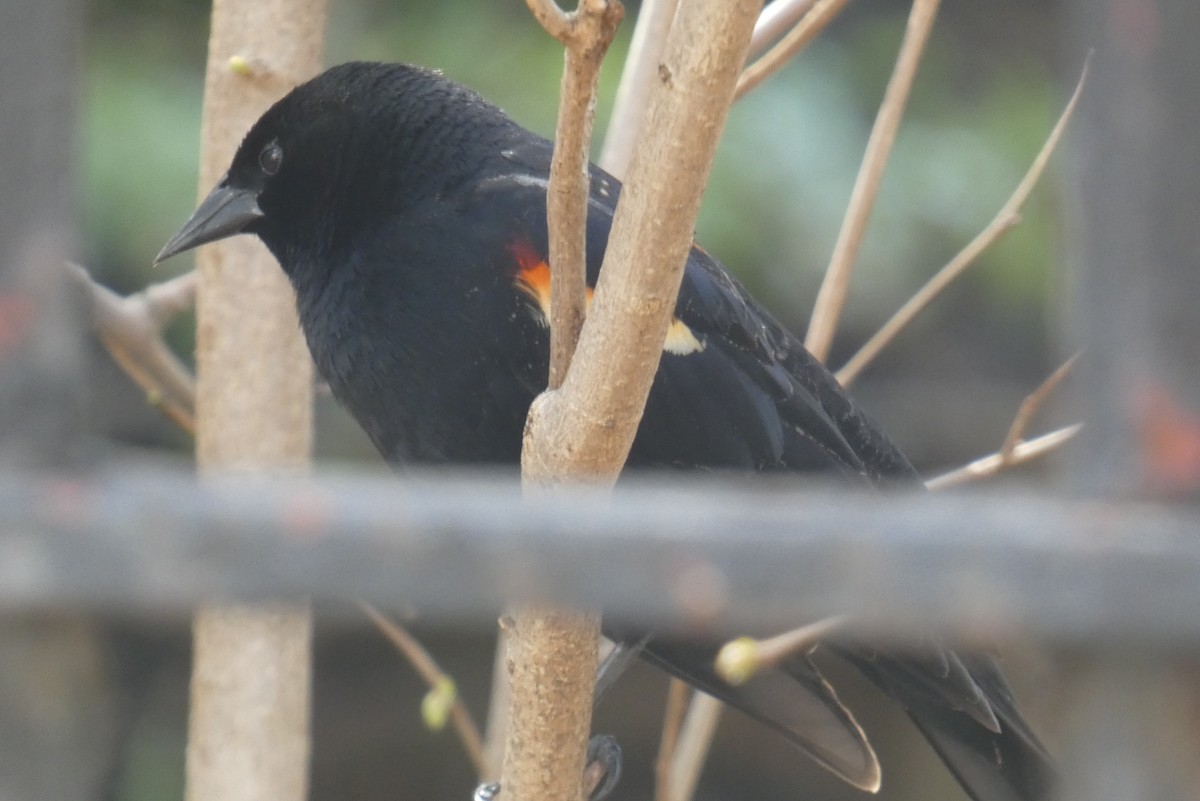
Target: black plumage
410, 216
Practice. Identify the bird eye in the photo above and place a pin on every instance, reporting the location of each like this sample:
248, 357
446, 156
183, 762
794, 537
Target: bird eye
270, 158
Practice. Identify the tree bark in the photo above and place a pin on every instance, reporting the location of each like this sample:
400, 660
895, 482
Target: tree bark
248, 736
582, 431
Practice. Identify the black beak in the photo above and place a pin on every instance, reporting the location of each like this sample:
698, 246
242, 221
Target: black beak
225, 212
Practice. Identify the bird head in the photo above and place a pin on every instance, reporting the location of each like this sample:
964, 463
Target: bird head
359, 142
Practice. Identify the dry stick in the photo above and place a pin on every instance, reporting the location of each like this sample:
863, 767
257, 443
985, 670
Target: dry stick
832, 295
740, 659
586, 34
640, 72
434, 676
130, 329
1005, 219
677, 705
775, 20
1029, 407
695, 737
248, 728
989, 466
1014, 451
810, 25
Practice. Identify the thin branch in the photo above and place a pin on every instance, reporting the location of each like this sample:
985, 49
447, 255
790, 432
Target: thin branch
989, 466
1029, 407
130, 328
677, 704
586, 33
740, 659
435, 677
810, 25
640, 72
832, 296
1007, 217
775, 20
695, 738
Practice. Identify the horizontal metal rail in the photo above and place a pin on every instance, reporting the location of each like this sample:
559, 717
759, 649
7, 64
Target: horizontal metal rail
720, 553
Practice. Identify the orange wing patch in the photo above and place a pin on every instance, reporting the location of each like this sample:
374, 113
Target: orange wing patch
533, 278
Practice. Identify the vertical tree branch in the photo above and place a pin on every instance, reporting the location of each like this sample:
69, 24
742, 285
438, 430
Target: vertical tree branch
248, 732
583, 430
586, 33
832, 296
641, 67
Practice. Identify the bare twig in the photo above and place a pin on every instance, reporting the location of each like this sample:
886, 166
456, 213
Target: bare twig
640, 72
677, 704
991, 465
1029, 407
1007, 217
810, 25
695, 737
832, 295
423, 662
586, 32
775, 20
130, 329
740, 659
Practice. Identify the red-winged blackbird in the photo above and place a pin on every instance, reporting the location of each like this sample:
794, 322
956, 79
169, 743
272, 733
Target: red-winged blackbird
410, 216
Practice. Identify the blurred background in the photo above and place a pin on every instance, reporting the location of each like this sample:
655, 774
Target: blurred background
995, 78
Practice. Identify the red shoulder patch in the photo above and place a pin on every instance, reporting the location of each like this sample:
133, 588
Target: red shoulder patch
533, 278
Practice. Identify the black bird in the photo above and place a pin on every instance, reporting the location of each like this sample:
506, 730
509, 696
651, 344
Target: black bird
410, 216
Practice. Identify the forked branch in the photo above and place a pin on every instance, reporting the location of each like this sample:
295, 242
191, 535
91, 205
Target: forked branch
1007, 217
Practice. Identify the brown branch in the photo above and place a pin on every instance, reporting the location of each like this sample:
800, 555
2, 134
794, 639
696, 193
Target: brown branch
552, 662
637, 78
677, 704
740, 659
130, 328
808, 28
691, 750
1029, 407
248, 726
586, 32
1007, 217
832, 295
584, 429
776, 20
552, 653
435, 677
990, 465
